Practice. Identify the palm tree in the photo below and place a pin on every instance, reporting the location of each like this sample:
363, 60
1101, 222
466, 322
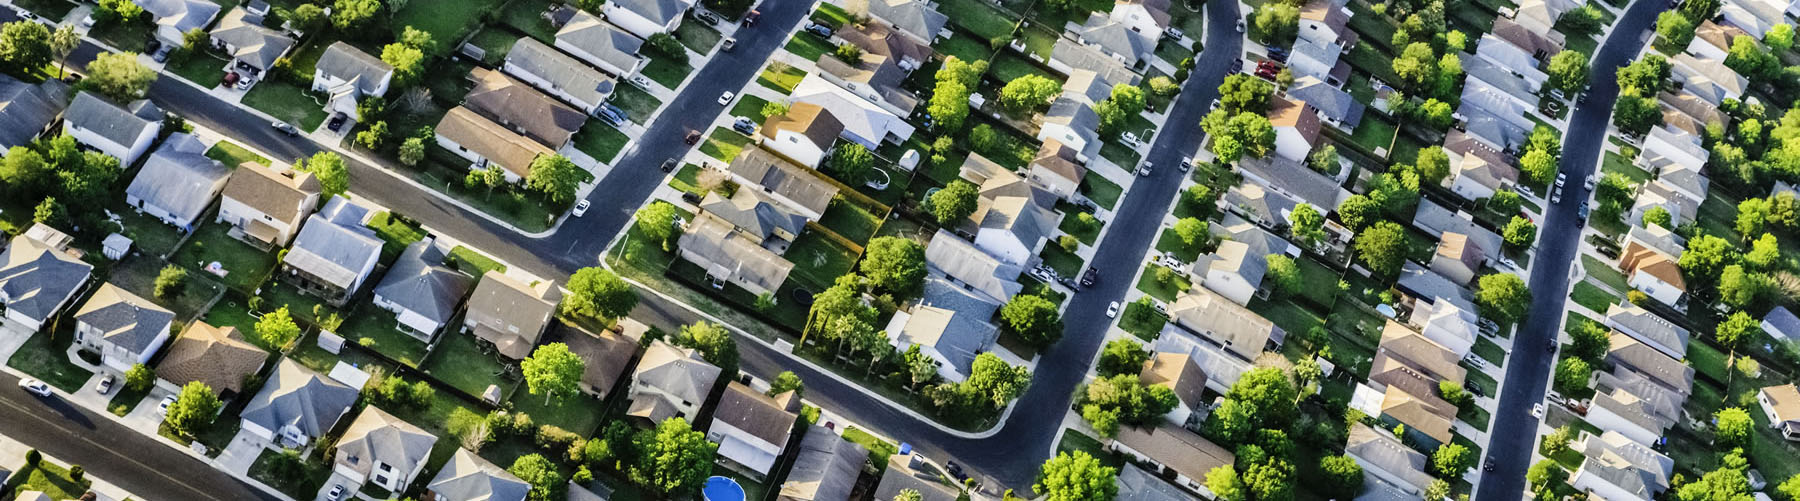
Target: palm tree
62, 42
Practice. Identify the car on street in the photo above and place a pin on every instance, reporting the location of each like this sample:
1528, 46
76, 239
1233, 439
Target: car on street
580, 208
285, 128
106, 384
1240, 26
1214, 106
1489, 466
1556, 195
336, 493
1590, 182
1112, 310
1550, 346
693, 136
1187, 164
725, 98
1145, 169
751, 18
1091, 277
162, 408
1537, 410
1561, 177
730, 43
35, 387
668, 165
1582, 212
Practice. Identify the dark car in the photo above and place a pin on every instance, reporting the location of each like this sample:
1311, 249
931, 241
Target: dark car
821, 30
1278, 54
337, 122
693, 137
1091, 277
152, 45
690, 197
668, 165
751, 18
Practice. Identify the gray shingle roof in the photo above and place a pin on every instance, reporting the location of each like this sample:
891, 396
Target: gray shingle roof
562, 71
1783, 322
912, 16
1497, 132
27, 109
36, 279
468, 477
1075, 55
420, 282
180, 15
1378, 449
334, 245
1116, 37
376, 435
825, 469
1648, 326
1626, 464
952, 321
1137, 485
254, 44
1021, 217
110, 121
1436, 220
960, 260
601, 39
677, 371
754, 212
776, 175
1500, 78
657, 11
125, 319
1423, 283
1076, 116
179, 177
1330, 101
348, 63
761, 416
1294, 178
901, 475
297, 396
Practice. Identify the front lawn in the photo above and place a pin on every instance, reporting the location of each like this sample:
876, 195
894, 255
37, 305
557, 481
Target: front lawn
396, 233
48, 359
1592, 297
879, 450
49, 478
1171, 242
472, 261
1618, 163
232, 155
978, 17
781, 77
750, 107
305, 485
1490, 352
808, 46
199, 67
818, 261
1102, 191
1073, 441
1166, 291
1064, 262
724, 144
286, 102
1085, 232
1120, 154
126, 37
666, 72
457, 361
697, 36
1605, 273
1152, 321
53, 10
638, 105
601, 141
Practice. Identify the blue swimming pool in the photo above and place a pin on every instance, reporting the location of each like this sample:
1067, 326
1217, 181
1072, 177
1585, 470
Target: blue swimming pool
722, 489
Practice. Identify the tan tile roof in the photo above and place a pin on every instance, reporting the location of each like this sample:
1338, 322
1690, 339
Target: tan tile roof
216, 356
1400, 341
1785, 400
1285, 112
271, 192
491, 140
1418, 414
1240, 330
759, 415
779, 176
1178, 372
1456, 246
808, 119
511, 314
1059, 159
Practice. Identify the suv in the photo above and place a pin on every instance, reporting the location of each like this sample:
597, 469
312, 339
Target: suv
612, 114
693, 137
744, 125
729, 44
668, 165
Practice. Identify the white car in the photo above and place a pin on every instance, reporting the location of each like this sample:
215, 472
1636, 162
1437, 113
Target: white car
35, 387
580, 208
1112, 310
1591, 181
725, 98
162, 408
1537, 410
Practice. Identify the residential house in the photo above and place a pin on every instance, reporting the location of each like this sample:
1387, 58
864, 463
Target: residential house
1327, 21
1755, 17
994, 181
804, 135
334, 253
1664, 149
1427, 418
174, 18
1538, 16
510, 314
348, 74
1653, 271
918, 19
799, 189
1437, 221
670, 382
1457, 258
1708, 79
296, 405
1319, 59
559, 75
1640, 417
1147, 17
1627, 353
120, 132
178, 182
1498, 132
219, 357
1541, 44
1183, 377
949, 324
264, 207
242, 35
38, 275
765, 220
1689, 181
1614, 467
1252, 202
1696, 109
1296, 128
646, 17
1501, 89
1057, 169
1426, 286
826, 467
1521, 62
468, 477
1480, 171
522, 109
1235, 269
968, 267
1069, 55
1781, 324
1649, 328
28, 110
383, 449
1386, 458
1664, 194
1179, 455
1335, 107
1075, 125
122, 327
1781, 405
1116, 39
421, 291
1135, 484
1223, 323
1406, 354
602, 45
1713, 40
1448, 325
901, 48
1222, 367
752, 428
728, 255
1011, 228
874, 78
608, 354
864, 122
486, 143
910, 472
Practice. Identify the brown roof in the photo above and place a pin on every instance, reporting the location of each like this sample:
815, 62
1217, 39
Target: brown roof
1462, 143
1327, 12
781, 177
1639, 258
1457, 246
1626, 352
759, 415
608, 355
1719, 35
1527, 39
1178, 372
1060, 159
216, 356
522, 108
879, 38
1284, 112
1418, 414
808, 119
491, 140
1177, 448
511, 314
1400, 341
1693, 106
271, 192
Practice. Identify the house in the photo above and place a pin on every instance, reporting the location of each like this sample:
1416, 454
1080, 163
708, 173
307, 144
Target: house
1781, 324
608, 353
1448, 325
1499, 132
296, 405
864, 122
994, 181
1427, 418
1222, 367
1649, 328
1183, 377
798, 188
1334, 106
900, 48
1641, 418
1661, 193
219, 357
1501, 88
382, 448
468, 477
670, 382
949, 324
1057, 169
421, 291
646, 17
602, 45
1627, 353
1713, 40
1149, 17
174, 18
1069, 55
1407, 354
178, 182
1326, 21
1116, 39
1319, 60
1296, 128
264, 206
1426, 286
1688, 180
1708, 79
1542, 45
1252, 202
242, 35
510, 314
1755, 17
1781, 405
1437, 221
1653, 271
120, 132
1387, 459
766, 221
1135, 484
28, 110
874, 78
728, 255
487, 143
1480, 171
1664, 149
559, 75
348, 74
122, 327
1011, 228
1235, 269
1223, 323
1179, 455
1457, 258
1614, 467
1692, 107
334, 252
910, 472
752, 428
826, 467
1520, 62
968, 267
1538, 16
38, 275
1073, 124
918, 19
804, 135
522, 109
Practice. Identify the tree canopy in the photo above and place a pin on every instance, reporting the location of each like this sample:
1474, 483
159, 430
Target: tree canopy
596, 292
1036, 320
1502, 297
1076, 477
119, 75
673, 458
1382, 247
895, 265
552, 369
954, 203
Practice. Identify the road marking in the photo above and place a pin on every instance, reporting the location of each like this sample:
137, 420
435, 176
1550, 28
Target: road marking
26, 412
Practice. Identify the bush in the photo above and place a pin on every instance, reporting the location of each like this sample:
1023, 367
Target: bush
512, 424
32, 456
76, 472
553, 438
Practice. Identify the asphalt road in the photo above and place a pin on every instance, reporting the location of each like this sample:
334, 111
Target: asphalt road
1528, 368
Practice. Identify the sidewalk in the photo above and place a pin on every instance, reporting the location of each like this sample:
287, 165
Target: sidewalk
12, 458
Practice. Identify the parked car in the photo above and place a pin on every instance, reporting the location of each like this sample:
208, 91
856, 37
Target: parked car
152, 45
580, 208
1590, 182
35, 387
690, 197
336, 493
693, 137
730, 43
725, 98
1112, 310
1091, 277
1537, 410
707, 17
744, 125
751, 18
1173, 33
337, 121
821, 30
106, 384
1582, 212
669, 165
285, 128
162, 408
1145, 169
161, 55
1187, 164
1240, 26
1278, 54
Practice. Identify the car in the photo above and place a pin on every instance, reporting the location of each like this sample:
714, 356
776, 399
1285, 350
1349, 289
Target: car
1187, 164
87, 22
106, 384
1489, 466
821, 30
955, 470
725, 98
336, 493
1477, 391
1267, 73
751, 18
285, 128
668, 165
1042, 274
1590, 182
729, 44
1278, 54
1537, 410
1173, 33
1145, 169
152, 45
162, 407
693, 137
1070, 283
337, 121
1240, 26
1112, 310
1215, 105
244, 83
1556, 195
707, 17
744, 125
1550, 346
1582, 212
1091, 277
35, 387
690, 197
580, 208
161, 55
1561, 177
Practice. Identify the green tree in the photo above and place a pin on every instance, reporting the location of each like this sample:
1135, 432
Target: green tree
277, 328
1029, 92
1417, 64
1748, 58
1657, 215
996, 381
1224, 483
1644, 76
556, 177
552, 369
1729, 482
1582, 21
1112, 117
408, 63
785, 382
1234, 136
1568, 71
1358, 212
1705, 256
1382, 248
1764, 252
1343, 476
1502, 297
1275, 22
1673, 32
673, 458
894, 264
1635, 114
306, 17
1437, 114
1122, 356
353, 16
949, 105
849, 53
1192, 231
1558, 440
1452, 460
373, 136
1539, 166
1780, 37
139, 377
595, 292
193, 409
546, 482
1734, 427
1241, 93
1284, 273
412, 151
1128, 97
713, 341
329, 169
1075, 477
170, 281
1262, 398
119, 75
1519, 233
63, 41
1324, 159
852, 162
1589, 340
1034, 319
1735, 329
24, 46
1790, 488
1306, 224
1572, 375
1545, 474
657, 221
951, 205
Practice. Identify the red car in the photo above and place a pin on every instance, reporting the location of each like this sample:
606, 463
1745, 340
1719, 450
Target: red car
693, 136
750, 19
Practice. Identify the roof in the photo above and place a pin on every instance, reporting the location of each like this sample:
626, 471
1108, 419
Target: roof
1422, 283
909, 471
1457, 247
491, 141
876, 38
602, 40
659, 12
1438, 221
36, 278
762, 416
375, 436
180, 15
522, 109
124, 319
27, 109
522, 309
1696, 71
1694, 107
1647, 326
1626, 351
1259, 203
714, 244
825, 468
1484, 166
1077, 56
1461, 143
1329, 12
1058, 159
1379, 449
1245, 248
179, 177
334, 245
1656, 263
1296, 179
608, 354
1116, 37
250, 41
1412, 348
1183, 451
916, 17
858, 116
808, 119
1784, 401
1626, 464
1087, 86
1500, 78
1654, 416
1021, 217
1135, 484
350, 64
1294, 113
565, 74
1332, 102
1076, 115
781, 177
1238, 329
299, 397
468, 477
676, 371
419, 282
754, 212
1782, 323
952, 321
958, 259
219, 357
1418, 414
1547, 44
881, 73
280, 196
1492, 129
110, 121
1178, 372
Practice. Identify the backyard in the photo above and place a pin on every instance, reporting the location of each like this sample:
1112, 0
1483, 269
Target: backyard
819, 261
240, 266
457, 361
978, 17
446, 20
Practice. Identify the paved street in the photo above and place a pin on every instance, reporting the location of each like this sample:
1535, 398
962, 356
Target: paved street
1528, 369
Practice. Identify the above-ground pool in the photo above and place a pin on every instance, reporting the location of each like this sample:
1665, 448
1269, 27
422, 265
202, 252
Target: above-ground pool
722, 489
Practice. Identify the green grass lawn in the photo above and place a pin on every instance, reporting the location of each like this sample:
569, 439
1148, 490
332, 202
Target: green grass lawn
578, 413
808, 46
525, 16
395, 233
781, 78
303, 486
198, 67
1173, 52
1008, 66
967, 48
666, 72
1039, 40
687, 180
1371, 60
1102, 191
127, 37
724, 144
53, 10
245, 266
48, 359
472, 261
1170, 242
495, 43
1286, 314
1086, 233
1592, 297
1147, 330
126, 399
376, 329
232, 155
750, 107
286, 102
446, 20
818, 261
137, 274
1478, 379
1120, 154
1605, 273
234, 311
458, 362
147, 233
638, 104
49, 478
1489, 351
601, 141
1618, 163
1718, 216
697, 36
1073, 441
1375, 135
1165, 291
850, 220
1064, 262
879, 449
978, 17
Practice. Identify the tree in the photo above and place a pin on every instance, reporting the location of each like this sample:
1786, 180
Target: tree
1129, 97
193, 409
1382, 247
1432, 165
1572, 375
24, 46
1727, 483
552, 369
1275, 22
1519, 233
1763, 252
997, 382
170, 281
1748, 58
1452, 460
1589, 340
352, 16
1502, 297
1780, 37
277, 328
1544, 474
139, 377
949, 105
1417, 64
1234, 136
1241, 93
1263, 397
778, 108
1192, 231
1454, 393
1735, 329
1539, 166
785, 382
1558, 440
1449, 76
1122, 356
1734, 427
894, 264
1673, 32
714, 343
1635, 114
1790, 488
1075, 477
194, 40
1568, 71
412, 151
1123, 399
673, 458
1343, 476
951, 205
1358, 212
657, 221
848, 52
118, 75
1644, 76
556, 177
62, 42
1029, 92
1705, 257
1657, 215
595, 292
306, 17
373, 136
1285, 273
1437, 114
1582, 21
329, 169
408, 63
546, 482
1112, 117
1224, 483
1036, 320
1324, 159
852, 162
1306, 224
